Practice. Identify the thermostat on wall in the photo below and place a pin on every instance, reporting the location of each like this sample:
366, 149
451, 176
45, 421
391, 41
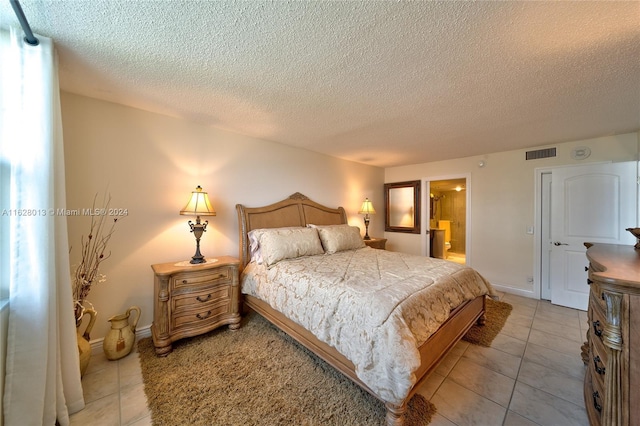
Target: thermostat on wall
580, 153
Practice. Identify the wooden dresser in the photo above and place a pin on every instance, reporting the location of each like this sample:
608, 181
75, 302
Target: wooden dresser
193, 299
612, 350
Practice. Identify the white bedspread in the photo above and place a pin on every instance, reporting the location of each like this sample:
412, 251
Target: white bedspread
374, 306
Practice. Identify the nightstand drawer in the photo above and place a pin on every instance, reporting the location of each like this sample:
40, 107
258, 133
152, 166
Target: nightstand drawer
200, 317
196, 300
201, 278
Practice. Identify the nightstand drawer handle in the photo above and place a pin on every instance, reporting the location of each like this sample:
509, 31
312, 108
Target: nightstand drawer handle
599, 370
184, 282
200, 299
596, 398
596, 324
589, 281
205, 316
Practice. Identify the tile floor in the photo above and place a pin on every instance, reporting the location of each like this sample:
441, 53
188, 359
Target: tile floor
457, 258
113, 393
532, 375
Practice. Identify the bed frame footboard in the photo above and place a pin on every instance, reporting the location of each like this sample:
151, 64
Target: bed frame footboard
431, 352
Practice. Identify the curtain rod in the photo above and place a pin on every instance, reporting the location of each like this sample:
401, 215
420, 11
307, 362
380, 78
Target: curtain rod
29, 37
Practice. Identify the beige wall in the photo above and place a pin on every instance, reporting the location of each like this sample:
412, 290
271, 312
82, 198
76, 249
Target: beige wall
502, 204
150, 163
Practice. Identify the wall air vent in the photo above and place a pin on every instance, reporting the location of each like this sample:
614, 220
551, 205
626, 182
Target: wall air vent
541, 153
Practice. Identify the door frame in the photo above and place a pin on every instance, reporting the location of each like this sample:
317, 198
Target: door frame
426, 212
543, 227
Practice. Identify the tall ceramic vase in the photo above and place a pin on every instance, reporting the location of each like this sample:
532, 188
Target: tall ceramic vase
119, 340
84, 347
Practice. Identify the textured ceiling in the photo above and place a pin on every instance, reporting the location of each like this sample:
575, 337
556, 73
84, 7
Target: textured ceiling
377, 82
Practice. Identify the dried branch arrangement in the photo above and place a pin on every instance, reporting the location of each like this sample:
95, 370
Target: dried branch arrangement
94, 252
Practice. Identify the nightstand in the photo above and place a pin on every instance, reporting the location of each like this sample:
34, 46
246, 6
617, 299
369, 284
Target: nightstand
193, 299
376, 243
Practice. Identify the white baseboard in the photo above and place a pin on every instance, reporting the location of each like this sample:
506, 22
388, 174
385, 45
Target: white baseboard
141, 333
516, 291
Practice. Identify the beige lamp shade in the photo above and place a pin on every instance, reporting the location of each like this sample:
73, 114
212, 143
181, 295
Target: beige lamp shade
367, 207
199, 204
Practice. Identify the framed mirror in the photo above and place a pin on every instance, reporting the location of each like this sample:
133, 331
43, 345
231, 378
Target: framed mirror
402, 207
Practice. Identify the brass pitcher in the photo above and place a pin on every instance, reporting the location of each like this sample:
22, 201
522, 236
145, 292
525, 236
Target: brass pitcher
119, 340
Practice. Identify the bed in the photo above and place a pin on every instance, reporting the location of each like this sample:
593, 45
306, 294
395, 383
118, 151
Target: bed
388, 343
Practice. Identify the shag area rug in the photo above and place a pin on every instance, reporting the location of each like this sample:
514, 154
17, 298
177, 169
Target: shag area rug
496, 314
258, 375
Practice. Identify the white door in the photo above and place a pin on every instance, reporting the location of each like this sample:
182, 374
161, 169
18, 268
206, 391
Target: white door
588, 204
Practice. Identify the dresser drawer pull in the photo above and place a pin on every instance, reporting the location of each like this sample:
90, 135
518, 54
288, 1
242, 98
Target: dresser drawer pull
586, 269
589, 281
201, 299
184, 281
205, 316
596, 324
596, 398
599, 370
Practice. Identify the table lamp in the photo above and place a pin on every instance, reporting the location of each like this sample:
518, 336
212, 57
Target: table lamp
198, 205
366, 209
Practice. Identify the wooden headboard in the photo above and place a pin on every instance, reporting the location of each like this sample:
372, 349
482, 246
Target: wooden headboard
297, 210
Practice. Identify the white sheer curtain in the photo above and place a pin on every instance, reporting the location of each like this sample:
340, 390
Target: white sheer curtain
42, 378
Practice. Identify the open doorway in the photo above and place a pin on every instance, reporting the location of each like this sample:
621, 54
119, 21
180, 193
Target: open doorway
448, 219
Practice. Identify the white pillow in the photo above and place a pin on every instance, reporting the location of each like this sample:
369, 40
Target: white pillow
254, 246
254, 241
337, 238
287, 243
